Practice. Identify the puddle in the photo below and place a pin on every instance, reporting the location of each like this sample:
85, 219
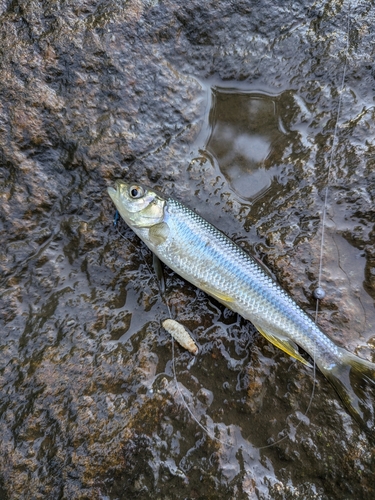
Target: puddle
247, 139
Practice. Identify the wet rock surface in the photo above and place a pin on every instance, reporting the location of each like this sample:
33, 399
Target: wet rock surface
90, 91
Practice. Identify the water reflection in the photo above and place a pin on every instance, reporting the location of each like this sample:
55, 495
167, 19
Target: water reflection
247, 138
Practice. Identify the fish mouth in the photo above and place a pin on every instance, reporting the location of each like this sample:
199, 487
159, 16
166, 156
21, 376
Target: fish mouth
115, 192
112, 192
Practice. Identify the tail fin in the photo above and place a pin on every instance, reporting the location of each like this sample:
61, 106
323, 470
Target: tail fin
354, 381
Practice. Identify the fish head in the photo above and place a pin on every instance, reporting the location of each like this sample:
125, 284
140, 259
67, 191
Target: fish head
139, 205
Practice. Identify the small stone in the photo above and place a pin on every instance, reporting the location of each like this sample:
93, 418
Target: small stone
319, 293
180, 334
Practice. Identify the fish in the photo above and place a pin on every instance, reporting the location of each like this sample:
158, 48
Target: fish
204, 256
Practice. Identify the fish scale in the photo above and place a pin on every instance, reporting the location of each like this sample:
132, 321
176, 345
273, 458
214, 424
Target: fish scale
205, 257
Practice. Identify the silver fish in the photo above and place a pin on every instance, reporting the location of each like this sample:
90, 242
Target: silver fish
207, 258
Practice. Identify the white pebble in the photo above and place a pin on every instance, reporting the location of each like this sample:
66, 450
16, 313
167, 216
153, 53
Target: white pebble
180, 333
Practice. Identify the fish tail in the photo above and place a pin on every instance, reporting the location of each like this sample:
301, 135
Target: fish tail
354, 381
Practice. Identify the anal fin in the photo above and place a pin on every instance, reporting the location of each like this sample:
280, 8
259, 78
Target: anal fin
284, 344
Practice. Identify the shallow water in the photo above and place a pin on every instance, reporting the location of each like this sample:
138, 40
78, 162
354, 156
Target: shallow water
231, 108
247, 129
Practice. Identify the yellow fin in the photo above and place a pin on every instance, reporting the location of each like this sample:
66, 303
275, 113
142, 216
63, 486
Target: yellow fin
221, 297
285, 345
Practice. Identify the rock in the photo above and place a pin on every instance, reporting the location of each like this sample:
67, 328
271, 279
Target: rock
95, 91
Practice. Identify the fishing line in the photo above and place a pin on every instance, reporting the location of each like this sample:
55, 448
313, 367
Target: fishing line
319, 292
165, 300
205, 429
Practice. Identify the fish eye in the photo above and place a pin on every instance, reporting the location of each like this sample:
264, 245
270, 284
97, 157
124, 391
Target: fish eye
136, 191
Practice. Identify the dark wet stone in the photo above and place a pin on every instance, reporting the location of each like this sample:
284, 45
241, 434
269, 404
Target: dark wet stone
94, 91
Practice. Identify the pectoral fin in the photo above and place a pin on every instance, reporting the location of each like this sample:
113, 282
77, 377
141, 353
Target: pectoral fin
284, 344
158, 267
158, 233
